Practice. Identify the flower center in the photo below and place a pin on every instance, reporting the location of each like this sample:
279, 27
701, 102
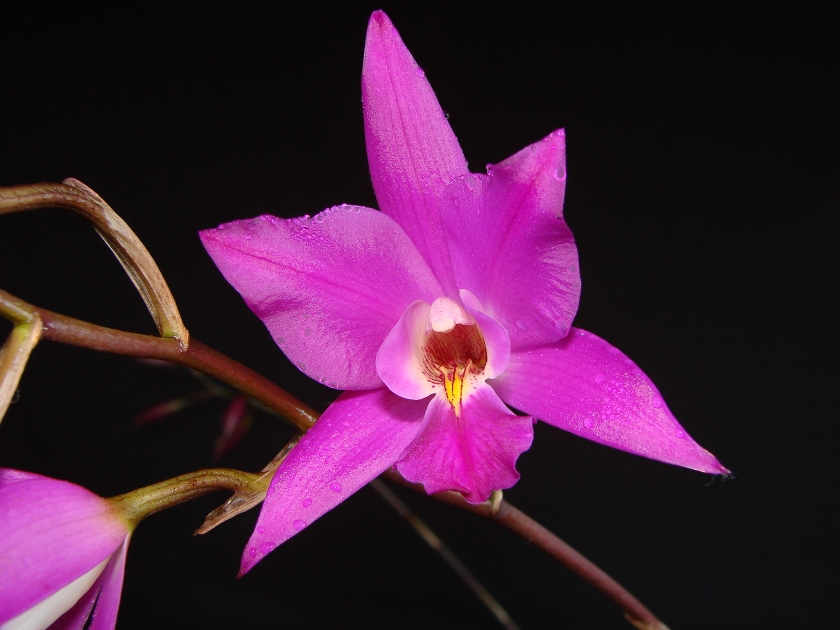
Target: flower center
454, 354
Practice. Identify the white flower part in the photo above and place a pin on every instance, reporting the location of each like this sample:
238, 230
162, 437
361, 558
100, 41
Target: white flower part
445, 314
44, 613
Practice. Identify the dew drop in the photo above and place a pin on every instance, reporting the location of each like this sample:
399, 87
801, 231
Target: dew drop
599, 379
299, 524
680, 433
307, 502
266, 547
613, 350
561, 173
477, 210
419, 72
335, 486
589, 422
520, 324
252, 552
261, 530
248, 237
657, 402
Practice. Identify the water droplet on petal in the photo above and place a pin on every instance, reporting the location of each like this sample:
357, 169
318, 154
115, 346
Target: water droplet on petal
657, 402
419, 72
307, 502
299, 524
261, 530
561, 173
589, 422
520, 324
252, 552
613, 350
248, 237
599, 379
680, 433
267, 547
335, 486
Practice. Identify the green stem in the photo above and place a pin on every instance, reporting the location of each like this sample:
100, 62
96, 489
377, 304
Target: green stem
138, 504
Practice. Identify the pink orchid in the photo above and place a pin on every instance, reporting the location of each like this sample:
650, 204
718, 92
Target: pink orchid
62, 555
453, 301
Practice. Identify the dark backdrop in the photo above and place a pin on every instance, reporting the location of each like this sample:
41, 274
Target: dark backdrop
703, 194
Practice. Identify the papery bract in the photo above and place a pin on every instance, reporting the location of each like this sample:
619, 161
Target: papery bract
457, 296
62, 555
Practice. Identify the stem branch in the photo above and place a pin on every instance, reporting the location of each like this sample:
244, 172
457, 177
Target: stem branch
200, 357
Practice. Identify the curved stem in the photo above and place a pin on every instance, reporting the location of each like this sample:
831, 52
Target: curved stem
200, 357
529, 529
197, 356
129, 250
138, 504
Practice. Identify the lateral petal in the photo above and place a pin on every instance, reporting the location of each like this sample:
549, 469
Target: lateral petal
51, 533
108, 604
473, 454
411, 149
329, 288
510, 246
399, 360
359, 436
586, 386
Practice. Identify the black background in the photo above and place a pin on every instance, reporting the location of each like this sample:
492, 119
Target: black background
703, 194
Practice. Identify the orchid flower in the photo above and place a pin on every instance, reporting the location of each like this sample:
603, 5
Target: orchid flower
62, 555
452, 302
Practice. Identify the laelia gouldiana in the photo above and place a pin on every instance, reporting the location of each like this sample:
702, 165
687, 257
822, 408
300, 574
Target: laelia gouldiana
454, 300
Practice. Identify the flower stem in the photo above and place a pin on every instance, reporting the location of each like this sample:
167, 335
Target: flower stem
204, 359
529, 529
425, 532
197, 356
138, 504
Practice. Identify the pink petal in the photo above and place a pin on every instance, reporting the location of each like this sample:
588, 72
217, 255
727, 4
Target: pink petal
510, 246
77, 617
8, 476
107, 606
584, 385
474, 454
359, 436
329, 288
51, 532
104, 594
399, 360
411, 149
495, 336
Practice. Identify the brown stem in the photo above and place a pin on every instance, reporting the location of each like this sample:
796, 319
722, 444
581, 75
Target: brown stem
130, 252
529, 529
200, 357
197, 356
